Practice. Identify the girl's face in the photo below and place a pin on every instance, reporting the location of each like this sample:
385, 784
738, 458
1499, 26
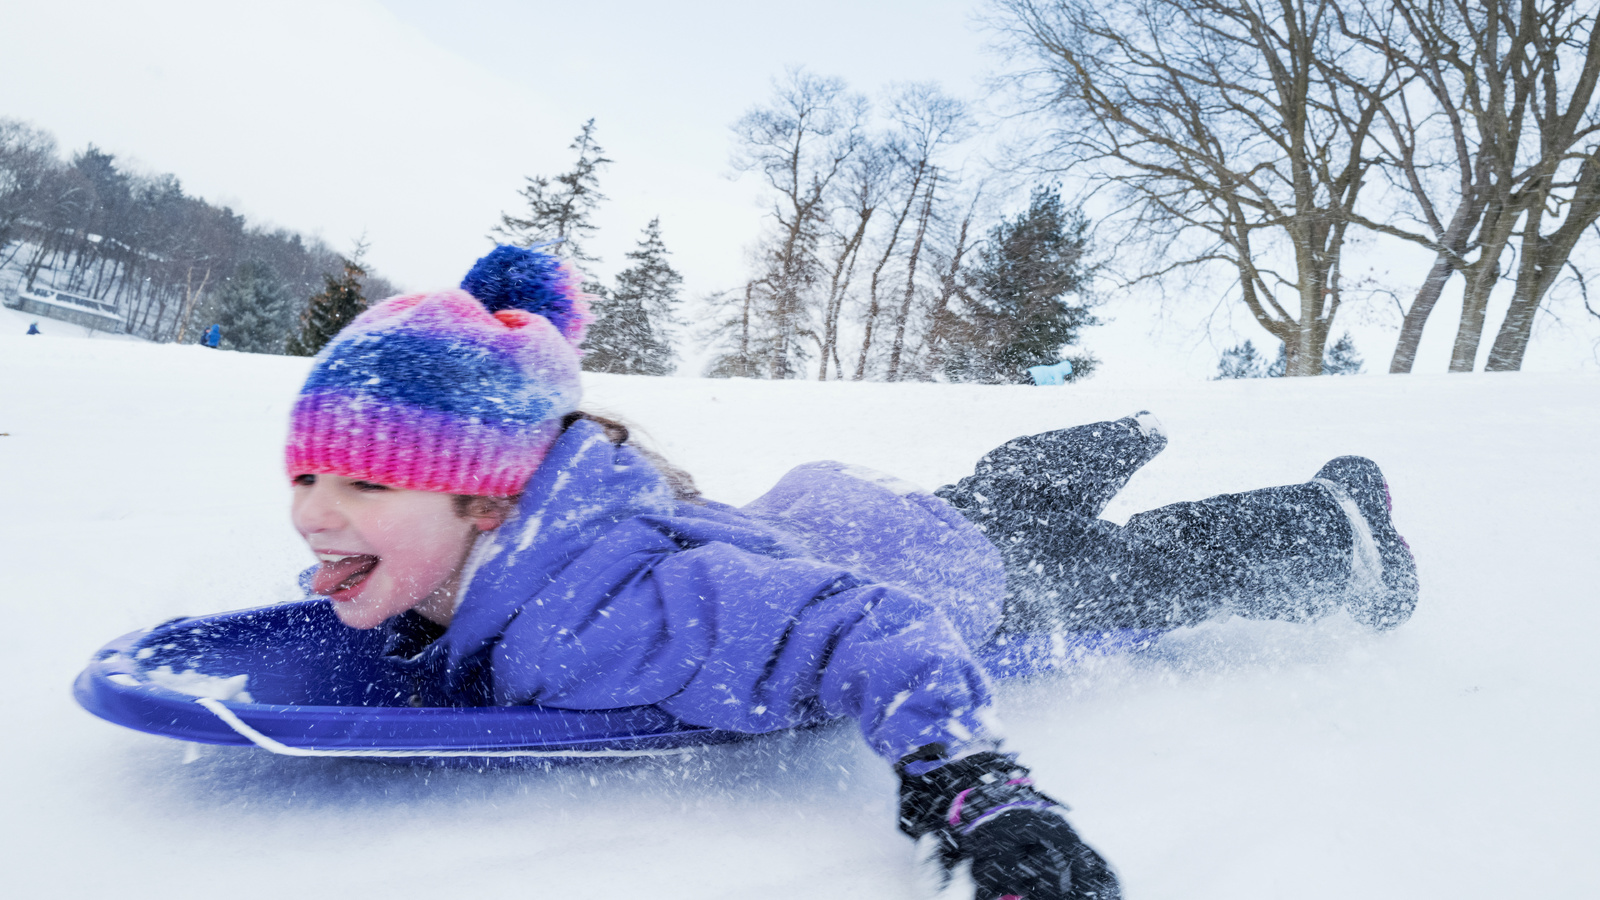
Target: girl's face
383, 550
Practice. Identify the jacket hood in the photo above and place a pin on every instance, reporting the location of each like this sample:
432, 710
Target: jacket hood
585, 487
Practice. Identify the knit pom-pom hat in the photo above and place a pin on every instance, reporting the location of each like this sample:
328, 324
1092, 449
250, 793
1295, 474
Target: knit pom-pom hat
457, 391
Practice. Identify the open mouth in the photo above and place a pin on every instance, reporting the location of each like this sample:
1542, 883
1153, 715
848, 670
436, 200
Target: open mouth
340, 573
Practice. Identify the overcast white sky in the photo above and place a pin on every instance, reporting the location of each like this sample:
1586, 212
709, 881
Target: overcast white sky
414, 122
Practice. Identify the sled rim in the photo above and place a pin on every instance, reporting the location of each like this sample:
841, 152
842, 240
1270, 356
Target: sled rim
113, 687
117, 686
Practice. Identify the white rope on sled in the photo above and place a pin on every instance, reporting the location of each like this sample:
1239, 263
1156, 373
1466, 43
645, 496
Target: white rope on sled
260, 740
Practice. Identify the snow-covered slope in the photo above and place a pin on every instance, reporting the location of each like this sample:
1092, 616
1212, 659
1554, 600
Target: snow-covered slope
1454, 757
16, 322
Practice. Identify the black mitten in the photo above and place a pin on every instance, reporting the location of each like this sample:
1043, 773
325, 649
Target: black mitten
983, 809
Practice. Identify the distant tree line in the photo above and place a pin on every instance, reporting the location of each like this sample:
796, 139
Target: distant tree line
171, 263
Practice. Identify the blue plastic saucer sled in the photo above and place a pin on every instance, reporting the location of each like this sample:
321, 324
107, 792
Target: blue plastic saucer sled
293, 680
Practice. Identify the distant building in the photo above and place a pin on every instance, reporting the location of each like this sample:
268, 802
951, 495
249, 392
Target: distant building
74, 308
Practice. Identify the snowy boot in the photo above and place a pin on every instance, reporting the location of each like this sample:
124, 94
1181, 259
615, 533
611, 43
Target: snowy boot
1280, 553
1383, 583
1288, 553
981, 811
1072, 470
1033, 489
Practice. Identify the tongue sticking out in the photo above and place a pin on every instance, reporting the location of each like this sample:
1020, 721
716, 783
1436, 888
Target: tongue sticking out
335, 575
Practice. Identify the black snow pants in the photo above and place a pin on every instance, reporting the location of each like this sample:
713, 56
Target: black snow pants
1276, 553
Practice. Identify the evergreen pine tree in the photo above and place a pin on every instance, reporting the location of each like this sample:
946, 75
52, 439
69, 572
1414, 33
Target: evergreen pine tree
1241, 361
631, 333
332, 309
737, 334
1280, 364
559, 209
1026, 297
255, 310
1342, 358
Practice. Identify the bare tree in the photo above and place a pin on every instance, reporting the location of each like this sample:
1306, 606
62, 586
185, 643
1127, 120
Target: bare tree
799, 143
1561, 188
736, 331
1491, 151
1434, 146
191, 294
27, 157
926, 121
1229, 130
903, 316
943, 323
868, 179
886, 251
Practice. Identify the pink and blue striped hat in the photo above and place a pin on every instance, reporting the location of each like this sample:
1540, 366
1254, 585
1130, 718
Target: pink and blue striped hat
456, 391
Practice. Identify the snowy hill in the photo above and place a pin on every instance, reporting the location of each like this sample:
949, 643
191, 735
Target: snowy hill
16, 322
1454, 757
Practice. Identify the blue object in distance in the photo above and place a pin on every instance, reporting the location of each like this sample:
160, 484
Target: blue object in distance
1054, 374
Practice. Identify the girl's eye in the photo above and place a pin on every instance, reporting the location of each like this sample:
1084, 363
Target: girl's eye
368, 486
306, 480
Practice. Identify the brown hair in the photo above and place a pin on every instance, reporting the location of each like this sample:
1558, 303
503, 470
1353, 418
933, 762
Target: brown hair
681, 482
469, 506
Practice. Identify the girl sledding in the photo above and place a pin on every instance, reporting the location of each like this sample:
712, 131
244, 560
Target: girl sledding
505, 549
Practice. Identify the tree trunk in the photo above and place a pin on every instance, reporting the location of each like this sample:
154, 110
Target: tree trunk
1482, 276
873, 308
911, 281
837, 288
1405, 348
1475, 303
947, 289
744, 328
1449, 259
189, 300
31, 270
1542, 261
1512, 341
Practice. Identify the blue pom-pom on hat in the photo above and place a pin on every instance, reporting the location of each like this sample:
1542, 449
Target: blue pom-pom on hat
511, 277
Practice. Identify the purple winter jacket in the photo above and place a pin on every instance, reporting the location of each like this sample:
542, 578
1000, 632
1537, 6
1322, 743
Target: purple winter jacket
838, 593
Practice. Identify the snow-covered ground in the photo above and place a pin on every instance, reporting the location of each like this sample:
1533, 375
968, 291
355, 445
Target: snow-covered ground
1454, 757
16, 322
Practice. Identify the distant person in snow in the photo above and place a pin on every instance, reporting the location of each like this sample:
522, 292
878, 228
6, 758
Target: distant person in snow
519, 550
33, 328
212, 337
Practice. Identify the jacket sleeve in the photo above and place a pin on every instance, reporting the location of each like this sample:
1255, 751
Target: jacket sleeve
728, 638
